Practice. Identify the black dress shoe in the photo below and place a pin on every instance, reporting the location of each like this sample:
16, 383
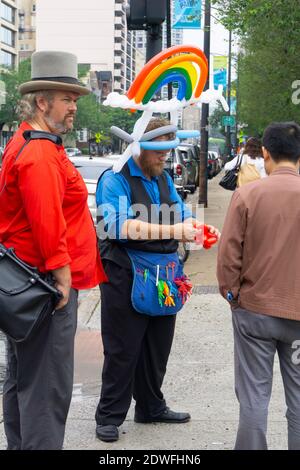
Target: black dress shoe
107, 432
168, 416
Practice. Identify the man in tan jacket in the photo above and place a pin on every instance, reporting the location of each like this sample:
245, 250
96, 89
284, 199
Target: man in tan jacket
259, 274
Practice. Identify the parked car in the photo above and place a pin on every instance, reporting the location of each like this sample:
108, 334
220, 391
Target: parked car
73, 152
213, 166
176, 168
195, 155
191, 166
219, 163
91, 169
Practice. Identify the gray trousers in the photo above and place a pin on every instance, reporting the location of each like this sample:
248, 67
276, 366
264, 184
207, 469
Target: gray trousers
38, 387
256, 339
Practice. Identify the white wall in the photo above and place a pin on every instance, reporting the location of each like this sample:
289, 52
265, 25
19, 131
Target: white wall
83, 27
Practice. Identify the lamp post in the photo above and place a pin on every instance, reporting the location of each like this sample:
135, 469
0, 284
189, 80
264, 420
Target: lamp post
169, 39
205, 114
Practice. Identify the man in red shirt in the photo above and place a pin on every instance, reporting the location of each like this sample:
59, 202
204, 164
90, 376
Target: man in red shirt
44, 216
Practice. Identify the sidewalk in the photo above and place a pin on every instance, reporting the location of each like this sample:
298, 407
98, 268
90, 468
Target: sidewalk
199, 378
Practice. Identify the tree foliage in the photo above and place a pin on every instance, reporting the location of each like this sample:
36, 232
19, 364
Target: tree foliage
99, 118
269, 36
12, 79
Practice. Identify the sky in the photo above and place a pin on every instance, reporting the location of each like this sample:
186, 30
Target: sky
219, 42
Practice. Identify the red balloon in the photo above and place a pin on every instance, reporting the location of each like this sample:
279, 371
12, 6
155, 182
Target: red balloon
205, 237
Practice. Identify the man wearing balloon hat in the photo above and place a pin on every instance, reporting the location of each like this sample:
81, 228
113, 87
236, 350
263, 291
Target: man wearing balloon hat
141, 218
45, 218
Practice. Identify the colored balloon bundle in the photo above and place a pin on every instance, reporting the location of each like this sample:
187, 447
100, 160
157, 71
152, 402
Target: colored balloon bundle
185, 65
168, 292
184, 287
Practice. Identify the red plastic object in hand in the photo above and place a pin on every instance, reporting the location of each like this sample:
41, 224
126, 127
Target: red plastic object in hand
205, 237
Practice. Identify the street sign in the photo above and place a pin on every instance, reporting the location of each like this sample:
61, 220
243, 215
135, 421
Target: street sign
98, 137
228, 121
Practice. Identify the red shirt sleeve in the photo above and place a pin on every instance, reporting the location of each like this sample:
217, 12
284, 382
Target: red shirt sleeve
42, 183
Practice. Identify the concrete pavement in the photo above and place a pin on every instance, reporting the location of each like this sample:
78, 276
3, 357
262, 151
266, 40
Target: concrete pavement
199, 378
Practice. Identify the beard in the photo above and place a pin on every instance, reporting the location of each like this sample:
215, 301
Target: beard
150, 168
59, 127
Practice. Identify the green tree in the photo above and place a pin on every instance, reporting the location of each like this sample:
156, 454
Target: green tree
269, 36
215, 119
12, 79
96, 117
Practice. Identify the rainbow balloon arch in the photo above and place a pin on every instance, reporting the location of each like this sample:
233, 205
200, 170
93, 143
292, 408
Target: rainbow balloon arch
186, 65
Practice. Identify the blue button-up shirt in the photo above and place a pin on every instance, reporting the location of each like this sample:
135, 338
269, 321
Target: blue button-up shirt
113, 198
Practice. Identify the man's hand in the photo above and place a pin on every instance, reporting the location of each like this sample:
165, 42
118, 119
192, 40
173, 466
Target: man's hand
185, 232
63, 284
65, 290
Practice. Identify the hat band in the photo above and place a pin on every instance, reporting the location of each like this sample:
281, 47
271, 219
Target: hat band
71, 80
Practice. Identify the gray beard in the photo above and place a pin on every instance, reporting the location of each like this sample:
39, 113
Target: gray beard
57, 126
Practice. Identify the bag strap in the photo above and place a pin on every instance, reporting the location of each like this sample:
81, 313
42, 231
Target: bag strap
42, 135
239, 162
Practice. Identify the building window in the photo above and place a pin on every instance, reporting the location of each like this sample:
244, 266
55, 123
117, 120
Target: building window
7, 13
7, 36
7, 59
21, 23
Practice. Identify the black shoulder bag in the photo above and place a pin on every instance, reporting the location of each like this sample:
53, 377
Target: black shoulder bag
229, 180
27, 297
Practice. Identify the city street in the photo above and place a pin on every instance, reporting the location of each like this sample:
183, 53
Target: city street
199, 378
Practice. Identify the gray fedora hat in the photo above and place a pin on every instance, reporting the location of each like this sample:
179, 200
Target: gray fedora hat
54, 70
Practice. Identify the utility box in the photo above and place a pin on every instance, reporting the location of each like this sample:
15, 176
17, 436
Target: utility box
156, 11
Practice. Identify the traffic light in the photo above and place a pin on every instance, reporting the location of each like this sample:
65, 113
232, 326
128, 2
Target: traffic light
141, 13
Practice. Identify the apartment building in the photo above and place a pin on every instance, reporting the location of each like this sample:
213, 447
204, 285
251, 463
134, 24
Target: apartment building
27, 28
9, 33
96, 32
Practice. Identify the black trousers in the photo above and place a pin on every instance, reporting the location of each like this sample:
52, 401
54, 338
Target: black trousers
38, 387
136, 352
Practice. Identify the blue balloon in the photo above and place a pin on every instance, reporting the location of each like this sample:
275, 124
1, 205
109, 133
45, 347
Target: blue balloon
160, 144
175, 77
187, 134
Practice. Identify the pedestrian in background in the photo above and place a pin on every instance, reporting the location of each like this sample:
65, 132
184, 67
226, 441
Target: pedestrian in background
44, 216
258, 273
251, 162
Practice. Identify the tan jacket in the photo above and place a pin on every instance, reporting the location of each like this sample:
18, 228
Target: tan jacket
259, 250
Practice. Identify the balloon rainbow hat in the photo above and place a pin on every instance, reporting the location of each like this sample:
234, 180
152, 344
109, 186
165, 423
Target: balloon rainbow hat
186, 65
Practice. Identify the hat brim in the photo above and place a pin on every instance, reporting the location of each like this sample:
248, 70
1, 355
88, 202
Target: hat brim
40, 85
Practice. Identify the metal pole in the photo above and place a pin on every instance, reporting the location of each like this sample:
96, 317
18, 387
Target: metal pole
204, 115
237, 105
228, 133
154, 40
169, 40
